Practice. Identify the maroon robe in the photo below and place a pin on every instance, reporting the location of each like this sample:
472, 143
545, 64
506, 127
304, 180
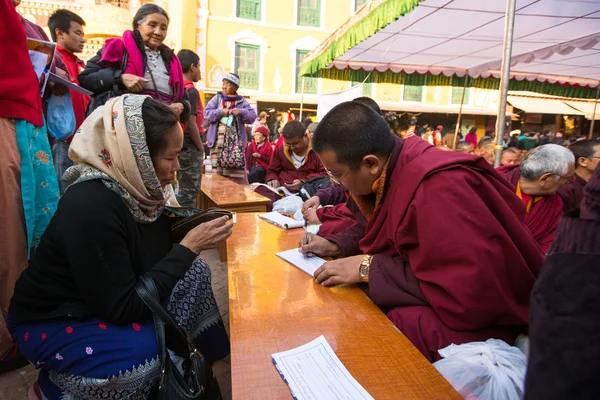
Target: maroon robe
453, 261
337, 218
282, 169
542, 219
571, 194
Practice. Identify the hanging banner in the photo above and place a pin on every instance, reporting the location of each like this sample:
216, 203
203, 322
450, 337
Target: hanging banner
330, 100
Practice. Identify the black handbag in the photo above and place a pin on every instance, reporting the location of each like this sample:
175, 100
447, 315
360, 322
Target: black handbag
100, 99
197, 381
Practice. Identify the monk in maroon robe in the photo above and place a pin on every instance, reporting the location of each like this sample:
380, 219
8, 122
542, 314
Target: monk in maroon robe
443, 247
587, 158
536, 182
293, 164
334, 216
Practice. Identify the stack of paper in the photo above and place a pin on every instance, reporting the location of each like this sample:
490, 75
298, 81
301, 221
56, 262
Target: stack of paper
314, 372
306, 264
281, 220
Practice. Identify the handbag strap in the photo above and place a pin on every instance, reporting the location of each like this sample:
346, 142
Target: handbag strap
154, 84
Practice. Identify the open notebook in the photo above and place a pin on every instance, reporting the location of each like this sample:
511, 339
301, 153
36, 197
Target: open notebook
281, 220
281, 190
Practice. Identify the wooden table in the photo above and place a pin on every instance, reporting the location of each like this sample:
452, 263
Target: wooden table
274, 306
218, 191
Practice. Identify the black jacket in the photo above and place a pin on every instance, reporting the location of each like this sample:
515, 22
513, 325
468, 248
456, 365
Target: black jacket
105, 80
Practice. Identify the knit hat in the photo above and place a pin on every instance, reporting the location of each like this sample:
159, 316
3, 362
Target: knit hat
232, 78
263, 129
440, 127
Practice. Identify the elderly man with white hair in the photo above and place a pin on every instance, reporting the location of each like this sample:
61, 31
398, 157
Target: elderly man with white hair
536, 182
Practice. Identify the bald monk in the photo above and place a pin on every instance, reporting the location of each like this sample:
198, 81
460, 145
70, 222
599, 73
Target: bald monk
465, 147
485, 149
587, 157
415, 202
510, 156
536, 182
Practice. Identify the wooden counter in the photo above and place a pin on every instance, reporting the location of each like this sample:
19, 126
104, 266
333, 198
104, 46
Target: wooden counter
274, 306
218, 191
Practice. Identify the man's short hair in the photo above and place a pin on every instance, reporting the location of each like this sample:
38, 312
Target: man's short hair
293, 129
369, 102
462, 146
513, 150
352, 130
263, 114
583, 148
187, 58
547, 158
485, 141
61, 19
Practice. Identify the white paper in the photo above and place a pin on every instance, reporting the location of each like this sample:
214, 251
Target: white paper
306, 264
281, 220
313, 372
39, 61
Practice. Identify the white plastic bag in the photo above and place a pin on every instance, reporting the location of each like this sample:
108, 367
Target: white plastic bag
490, 370
290, 204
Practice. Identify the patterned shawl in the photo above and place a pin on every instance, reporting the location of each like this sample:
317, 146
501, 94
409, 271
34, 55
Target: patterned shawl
111, 146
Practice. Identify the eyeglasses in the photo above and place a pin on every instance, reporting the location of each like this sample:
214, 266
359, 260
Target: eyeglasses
341, 178
570, 178
593, 157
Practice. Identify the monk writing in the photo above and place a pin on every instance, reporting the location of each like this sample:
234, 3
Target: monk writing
536, 182
443, 247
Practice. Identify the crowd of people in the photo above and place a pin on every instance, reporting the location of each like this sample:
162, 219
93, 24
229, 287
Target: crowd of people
451, 247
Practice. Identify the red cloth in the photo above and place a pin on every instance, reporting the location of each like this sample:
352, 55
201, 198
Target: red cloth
453, 273
282, 169
80, 101
266, 152
572, 194
471, 138
19, 87
334, 219
200, 111
279, 142
543, 218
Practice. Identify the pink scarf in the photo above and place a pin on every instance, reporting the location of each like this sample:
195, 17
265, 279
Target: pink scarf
115, 48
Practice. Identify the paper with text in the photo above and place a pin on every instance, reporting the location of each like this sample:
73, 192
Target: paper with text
281, 220
314, 372
306, 264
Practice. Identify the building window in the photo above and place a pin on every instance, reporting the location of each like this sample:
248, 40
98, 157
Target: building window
457, 95
119, 3
358, 4
310, 84
309, 12
249, 9
246, 65
413, 93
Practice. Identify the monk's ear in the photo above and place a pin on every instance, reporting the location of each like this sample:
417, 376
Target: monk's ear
372, 162
547, 178
582, 161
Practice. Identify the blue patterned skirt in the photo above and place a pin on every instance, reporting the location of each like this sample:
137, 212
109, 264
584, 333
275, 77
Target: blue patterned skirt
92, 359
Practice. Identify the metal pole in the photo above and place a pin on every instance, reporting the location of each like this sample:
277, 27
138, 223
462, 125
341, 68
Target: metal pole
594, 114
301, 101
462, 100
509, 27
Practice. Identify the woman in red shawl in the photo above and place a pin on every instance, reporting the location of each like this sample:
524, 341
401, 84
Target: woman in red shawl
258, 155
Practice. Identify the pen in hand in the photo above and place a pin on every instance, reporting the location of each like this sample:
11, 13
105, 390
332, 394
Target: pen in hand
305, 237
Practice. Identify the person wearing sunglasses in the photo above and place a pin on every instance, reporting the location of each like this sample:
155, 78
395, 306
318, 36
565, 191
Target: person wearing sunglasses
587, 158
443, 244
536, 182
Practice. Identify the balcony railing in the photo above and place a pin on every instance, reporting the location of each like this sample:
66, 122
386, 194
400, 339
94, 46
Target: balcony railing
309, 16
249, 9
248, 79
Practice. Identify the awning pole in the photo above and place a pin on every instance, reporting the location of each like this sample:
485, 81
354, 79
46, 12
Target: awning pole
462, 100
509, 27
594, 114
301, 101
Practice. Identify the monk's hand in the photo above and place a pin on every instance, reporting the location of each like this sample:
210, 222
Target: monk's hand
133, 83
337, 272
177, 108
274, 183
316, 245
311, 217
295, 185
313, 202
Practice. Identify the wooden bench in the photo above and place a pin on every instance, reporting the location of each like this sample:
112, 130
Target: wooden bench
274, 306
218, 191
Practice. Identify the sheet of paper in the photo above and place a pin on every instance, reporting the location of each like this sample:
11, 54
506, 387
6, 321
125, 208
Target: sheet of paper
39, 61
281, 220
313, 372
297, 259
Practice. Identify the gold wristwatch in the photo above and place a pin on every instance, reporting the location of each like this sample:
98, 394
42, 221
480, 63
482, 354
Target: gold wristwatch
365, 265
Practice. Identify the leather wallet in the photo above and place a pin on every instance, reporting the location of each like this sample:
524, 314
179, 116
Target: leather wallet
183, 226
